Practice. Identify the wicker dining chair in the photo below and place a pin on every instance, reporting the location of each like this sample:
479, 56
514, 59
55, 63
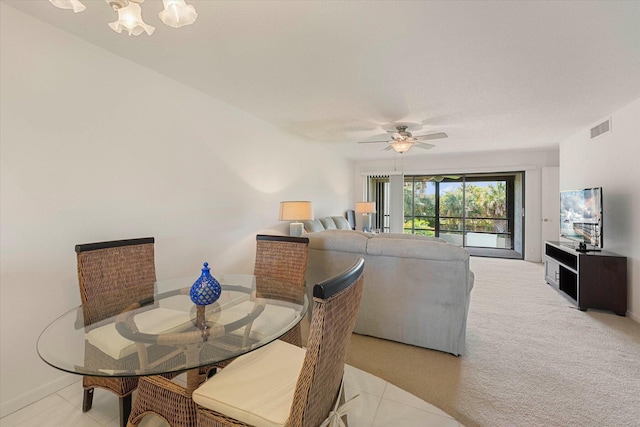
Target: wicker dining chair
282, 384
280, 269
112, 275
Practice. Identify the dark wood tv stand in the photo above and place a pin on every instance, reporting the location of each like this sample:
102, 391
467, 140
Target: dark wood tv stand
588, 279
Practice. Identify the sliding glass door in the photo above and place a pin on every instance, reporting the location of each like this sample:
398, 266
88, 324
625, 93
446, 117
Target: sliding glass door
489, 213
420, 206
466, 210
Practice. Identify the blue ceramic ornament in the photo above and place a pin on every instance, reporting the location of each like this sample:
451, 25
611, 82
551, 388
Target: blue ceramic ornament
206, 290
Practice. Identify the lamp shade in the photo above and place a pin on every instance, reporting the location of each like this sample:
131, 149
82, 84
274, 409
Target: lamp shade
366, 207
296, 211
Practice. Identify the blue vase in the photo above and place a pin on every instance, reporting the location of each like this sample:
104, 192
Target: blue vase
206, 290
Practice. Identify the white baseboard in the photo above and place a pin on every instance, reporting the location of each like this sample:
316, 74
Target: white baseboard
34, 395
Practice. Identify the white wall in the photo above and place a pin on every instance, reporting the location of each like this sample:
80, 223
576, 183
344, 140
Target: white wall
611, 161
93, 148
531, 162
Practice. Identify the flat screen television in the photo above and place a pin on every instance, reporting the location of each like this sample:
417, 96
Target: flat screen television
581, 217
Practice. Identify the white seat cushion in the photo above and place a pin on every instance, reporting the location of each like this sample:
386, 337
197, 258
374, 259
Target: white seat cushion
256, 388
157, 321
272, 318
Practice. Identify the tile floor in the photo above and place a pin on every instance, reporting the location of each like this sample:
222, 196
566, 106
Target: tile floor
379, 404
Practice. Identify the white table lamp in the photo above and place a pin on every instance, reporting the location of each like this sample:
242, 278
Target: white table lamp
366, 209
296, 211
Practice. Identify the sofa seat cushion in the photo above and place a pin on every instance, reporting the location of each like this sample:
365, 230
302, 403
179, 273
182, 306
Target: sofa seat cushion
157, 321
256, 388
260, 326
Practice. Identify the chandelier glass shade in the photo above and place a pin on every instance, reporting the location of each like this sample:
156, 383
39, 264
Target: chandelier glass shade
176, 13
130, 20
69, 4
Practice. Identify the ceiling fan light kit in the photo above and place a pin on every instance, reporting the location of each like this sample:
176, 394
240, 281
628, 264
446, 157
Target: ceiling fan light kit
400, 146
176, 13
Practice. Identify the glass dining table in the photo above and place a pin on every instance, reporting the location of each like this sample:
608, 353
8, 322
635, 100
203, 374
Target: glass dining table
168, 334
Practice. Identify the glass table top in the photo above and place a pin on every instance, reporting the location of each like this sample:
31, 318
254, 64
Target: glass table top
169, 333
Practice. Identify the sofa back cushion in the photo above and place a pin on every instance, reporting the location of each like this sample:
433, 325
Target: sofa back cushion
313, 226
339, 240
416, 248
341, 223
328, 224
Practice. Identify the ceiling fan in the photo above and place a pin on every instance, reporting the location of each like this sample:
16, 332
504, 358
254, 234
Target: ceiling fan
402, 140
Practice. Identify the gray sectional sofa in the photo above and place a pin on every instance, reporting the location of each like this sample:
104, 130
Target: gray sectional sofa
417, 289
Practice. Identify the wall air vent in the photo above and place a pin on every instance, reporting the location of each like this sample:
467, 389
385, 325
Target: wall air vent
603, 127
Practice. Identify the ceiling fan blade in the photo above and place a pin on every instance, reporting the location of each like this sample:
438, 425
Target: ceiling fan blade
369, 142
432, 136
387, 148
423, 145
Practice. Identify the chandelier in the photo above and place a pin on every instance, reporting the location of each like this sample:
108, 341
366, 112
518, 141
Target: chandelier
176, 13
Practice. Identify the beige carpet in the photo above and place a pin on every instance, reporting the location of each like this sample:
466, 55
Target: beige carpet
532, 359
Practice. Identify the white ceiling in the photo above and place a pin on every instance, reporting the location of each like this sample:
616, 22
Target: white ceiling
492, 75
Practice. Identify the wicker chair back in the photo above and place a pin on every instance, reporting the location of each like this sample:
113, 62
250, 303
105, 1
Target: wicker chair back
337, 301
280, 269
281, 258
114, 275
